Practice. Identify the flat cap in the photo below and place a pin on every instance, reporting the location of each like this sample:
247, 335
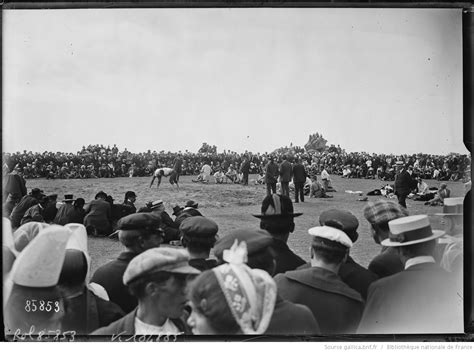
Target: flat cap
198, 226
348, 221
133, 226
331, 234
154, 260
256, 241
382, 211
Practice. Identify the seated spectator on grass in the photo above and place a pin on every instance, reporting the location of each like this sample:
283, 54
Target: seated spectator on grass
220, 176
170, 227
35, 213
317, 190
98, 218
51, 209
23, 205
65, 210
443, 192
231, 174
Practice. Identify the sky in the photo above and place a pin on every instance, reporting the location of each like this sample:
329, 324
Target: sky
374, 80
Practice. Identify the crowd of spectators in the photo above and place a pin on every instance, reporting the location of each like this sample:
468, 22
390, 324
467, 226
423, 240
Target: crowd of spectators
98, 161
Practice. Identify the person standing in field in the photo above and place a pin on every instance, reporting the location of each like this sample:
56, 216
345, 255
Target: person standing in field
245, 169
271, 176
178, 166
165, 171
286, 173
299, 179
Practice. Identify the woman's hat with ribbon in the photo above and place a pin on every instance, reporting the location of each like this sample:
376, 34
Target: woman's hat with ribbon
410, 230
250, 293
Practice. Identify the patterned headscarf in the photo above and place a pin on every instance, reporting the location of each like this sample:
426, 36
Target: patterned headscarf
250, 293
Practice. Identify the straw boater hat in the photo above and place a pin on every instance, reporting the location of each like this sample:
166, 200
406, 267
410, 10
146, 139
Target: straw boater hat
452, 207
410, 230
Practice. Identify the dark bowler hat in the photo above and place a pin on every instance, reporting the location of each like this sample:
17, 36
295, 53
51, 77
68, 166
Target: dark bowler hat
135, 225
36, 192
277, 206
191, 204
198, 226
68, 198
410, 230
129, 194
177, 209
346, 218
256, 241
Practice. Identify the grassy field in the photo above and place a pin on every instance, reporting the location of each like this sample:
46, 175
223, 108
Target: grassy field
232, 206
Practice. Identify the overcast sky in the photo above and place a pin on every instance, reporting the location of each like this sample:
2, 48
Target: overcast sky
375, 80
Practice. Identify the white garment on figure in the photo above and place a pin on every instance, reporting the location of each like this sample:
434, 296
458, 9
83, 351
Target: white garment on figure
166, 171
168, 328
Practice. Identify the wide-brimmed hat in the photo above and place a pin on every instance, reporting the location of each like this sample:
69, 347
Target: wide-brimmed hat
452, 207
277, 206
68, 198
410, 230
177, 209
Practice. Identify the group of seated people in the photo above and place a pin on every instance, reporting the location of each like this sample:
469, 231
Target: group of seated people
246, 281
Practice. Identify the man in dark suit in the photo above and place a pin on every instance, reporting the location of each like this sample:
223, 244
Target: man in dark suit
261, 256
277, 218
157, 278
271, 176
25, 203
286, 173
299, 179
137, 232
336, 306
245, 169
423, 298
378, 214
404, 183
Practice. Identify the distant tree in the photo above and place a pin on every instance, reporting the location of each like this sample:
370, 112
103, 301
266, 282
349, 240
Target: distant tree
206, 148
316, 142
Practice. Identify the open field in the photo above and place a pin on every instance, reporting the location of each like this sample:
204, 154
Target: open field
232, 206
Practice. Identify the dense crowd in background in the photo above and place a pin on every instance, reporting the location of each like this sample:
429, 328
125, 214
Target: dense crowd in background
98, 161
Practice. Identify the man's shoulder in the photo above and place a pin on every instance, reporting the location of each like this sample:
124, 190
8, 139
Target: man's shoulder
124, 326
323, 280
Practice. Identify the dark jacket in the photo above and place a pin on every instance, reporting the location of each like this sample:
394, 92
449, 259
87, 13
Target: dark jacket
15, 185
356, 276
285, 259
35, 213
87, 312
286, 171
126, 326
404, 183
386, 263
110, 276
20, 209
77, 216
49, 212
63, 214
99, 215
271, 173
421, 299
336, 306
292, 319
299, 173
245, 167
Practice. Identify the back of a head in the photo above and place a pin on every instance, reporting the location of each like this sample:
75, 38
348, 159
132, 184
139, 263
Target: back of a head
74, 270
327, 250
277, 215
198, 233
